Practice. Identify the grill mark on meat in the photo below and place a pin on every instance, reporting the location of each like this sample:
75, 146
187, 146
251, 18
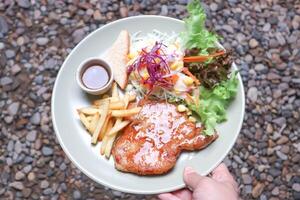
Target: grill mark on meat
152, 142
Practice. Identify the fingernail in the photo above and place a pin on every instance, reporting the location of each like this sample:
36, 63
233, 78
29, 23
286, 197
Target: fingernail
189, 170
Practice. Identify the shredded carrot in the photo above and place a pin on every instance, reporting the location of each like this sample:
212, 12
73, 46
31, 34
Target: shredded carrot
174, 78
187, 72
201, 58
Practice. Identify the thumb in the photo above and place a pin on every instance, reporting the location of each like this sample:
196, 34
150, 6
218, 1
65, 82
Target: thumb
191, 178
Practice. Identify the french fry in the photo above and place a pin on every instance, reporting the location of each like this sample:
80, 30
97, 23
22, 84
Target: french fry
103, 145
132, 97
115, 92
84, 120
100, 123
104, 119
105, 138
126, 113
116, 105
104, 128
98, 102
88, 110
109, 145
126, 100
119, 125
93, 123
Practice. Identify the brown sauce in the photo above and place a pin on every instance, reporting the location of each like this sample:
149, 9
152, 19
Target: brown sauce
95, 77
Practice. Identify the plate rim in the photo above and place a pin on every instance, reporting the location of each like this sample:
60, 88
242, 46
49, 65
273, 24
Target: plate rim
105, 183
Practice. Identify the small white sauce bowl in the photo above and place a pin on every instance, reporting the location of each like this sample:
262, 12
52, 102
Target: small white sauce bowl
87, 63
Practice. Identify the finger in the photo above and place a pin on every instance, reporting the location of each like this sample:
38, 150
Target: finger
183, 194
222, 174
191, 178
168, 196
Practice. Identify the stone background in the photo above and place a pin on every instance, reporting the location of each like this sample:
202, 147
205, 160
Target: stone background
37, 35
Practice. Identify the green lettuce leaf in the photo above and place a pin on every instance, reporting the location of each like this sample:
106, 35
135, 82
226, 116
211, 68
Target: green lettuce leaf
213, 103
196, 35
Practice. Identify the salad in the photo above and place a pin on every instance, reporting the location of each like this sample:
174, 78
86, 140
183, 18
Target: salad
188, 69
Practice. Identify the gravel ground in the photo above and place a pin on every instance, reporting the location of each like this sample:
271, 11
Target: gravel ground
36, 37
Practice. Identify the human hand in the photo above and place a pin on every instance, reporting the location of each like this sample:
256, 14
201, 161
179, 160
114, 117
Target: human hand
220, 185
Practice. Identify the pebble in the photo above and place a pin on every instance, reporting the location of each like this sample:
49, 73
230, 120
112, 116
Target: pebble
18, 147
3, 25
63, 167
296, 80
47, 151
273, 20
19, 176
8, 119
253, 43
17, 185
280, 39
274, 172
23, 3
275, 191
10, 146
277, 94
31, 136
282, 140
13, 108
124, 12
38, 144
31, 176
280, 121
78, 35
213, 7
296, 187
272, 76
42, 41
15, 69
117, 193
246, 179
244, 170
252, 94
39, 80
44, 184
10, 53
5, 81
257, 189
36, 118
259, 67
237, 159
26, 192
27, 169
248, 189
76, 194
47, 191
266, 27
20, 41
228, 28
97, 15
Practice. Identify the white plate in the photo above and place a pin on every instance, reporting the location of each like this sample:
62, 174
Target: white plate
76, 143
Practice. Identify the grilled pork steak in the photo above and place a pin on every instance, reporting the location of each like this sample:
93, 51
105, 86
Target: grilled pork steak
151, 144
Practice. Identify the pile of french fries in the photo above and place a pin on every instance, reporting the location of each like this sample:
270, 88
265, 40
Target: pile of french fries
105, 118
